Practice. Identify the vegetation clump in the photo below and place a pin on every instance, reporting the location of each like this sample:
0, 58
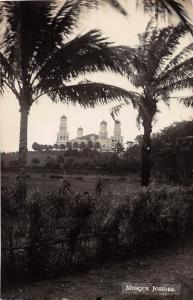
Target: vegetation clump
60, 231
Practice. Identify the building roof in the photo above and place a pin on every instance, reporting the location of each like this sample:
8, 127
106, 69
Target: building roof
87, 137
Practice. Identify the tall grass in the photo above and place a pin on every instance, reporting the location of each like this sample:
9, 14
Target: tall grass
50, 234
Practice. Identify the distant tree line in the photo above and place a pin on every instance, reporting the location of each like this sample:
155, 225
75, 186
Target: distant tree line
172, 150
118, 147
69, 145
105, 162
86, 156
172, 157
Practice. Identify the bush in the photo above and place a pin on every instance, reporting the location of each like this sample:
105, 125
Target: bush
62, 230
55, 177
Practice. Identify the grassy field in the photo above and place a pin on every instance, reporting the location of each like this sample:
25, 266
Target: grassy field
85, 183
94, 231
169, 265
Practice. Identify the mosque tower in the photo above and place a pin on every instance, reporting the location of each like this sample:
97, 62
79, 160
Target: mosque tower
103, 134
117, 138
62, 135
117, 130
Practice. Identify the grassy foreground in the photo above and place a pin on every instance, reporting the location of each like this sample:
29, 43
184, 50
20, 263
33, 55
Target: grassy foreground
51, 234
172, 265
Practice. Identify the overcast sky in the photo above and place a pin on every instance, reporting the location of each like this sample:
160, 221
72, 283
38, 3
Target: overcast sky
44, 116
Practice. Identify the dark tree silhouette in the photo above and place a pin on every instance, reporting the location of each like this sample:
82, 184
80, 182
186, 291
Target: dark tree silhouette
156, 73
38, 56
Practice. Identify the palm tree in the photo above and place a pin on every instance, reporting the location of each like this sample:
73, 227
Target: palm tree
156, 73
38, 57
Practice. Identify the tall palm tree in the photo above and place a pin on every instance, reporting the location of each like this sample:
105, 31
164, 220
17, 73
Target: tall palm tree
156, 72
38, 56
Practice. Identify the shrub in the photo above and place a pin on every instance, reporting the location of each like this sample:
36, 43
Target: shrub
64, 229
35, 161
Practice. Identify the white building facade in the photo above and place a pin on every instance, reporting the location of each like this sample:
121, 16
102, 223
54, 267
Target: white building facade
107, 144
62, 135
116, 138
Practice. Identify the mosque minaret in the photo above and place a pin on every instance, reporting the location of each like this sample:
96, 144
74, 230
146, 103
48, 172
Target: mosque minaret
106, 143
62, 135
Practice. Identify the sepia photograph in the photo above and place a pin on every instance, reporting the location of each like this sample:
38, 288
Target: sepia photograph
96, 145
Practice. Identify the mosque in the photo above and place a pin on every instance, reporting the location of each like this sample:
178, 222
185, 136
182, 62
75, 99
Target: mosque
106, 143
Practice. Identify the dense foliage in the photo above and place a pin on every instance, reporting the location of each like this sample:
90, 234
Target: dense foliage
156, 70
57, 232
107, 163
172, 159
172, 148
172, 151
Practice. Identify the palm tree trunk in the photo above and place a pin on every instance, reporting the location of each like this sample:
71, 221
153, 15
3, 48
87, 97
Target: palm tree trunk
24, 110
146, 154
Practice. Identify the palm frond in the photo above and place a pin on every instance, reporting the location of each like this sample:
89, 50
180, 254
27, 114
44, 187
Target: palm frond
177, 85
87, 53
152, 54
162, 46
187, 101
2, 85
178, 59
116, 110
6, 68
35, 30
116, 4
174, 6
88, 94
23, 37
132, 63
164, 95
8, 77
65, 18
169, 46
179, 72
133, 98
165, 7
153, 50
